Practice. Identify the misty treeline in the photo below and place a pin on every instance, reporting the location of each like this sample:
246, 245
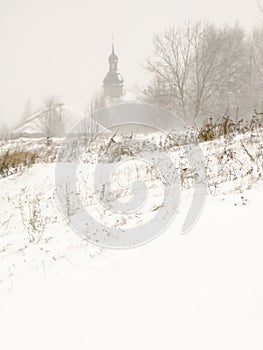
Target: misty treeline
199, 70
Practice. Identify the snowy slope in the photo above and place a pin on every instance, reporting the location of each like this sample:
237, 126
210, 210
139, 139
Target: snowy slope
202, 290
37, 124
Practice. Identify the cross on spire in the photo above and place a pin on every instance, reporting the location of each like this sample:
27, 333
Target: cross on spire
112, 44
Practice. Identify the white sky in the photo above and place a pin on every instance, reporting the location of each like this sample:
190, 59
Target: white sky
60, 47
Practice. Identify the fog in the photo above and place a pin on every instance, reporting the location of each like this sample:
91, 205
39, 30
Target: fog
60, 47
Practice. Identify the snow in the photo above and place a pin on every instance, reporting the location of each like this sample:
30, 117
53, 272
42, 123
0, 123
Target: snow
202, 290
37, 124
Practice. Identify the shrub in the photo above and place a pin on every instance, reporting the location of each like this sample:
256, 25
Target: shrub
227, 126
11, 163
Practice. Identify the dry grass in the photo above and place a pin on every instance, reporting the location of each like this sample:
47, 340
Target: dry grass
10, 163
227, 126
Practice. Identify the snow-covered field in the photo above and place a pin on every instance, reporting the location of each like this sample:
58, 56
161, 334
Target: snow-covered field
203, 290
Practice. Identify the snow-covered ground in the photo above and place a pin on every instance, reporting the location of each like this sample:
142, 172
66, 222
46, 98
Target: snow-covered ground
59, 117
203, 290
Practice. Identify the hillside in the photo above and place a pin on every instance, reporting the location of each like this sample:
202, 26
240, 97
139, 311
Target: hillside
202, 290
55, 121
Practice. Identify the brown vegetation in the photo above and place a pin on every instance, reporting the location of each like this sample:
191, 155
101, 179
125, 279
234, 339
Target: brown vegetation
226, 126
10, 163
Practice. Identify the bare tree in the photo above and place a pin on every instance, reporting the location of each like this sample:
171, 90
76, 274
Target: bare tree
254, 45
170, 66
196, 68
89, 126
54, 123
27, 112
220, 70
260, 5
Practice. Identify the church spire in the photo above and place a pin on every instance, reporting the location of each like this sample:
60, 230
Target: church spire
112, 45
113, 82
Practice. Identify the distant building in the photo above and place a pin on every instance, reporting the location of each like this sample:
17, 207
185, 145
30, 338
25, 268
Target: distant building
113, 82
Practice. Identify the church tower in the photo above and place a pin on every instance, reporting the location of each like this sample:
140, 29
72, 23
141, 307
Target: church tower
113, 82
